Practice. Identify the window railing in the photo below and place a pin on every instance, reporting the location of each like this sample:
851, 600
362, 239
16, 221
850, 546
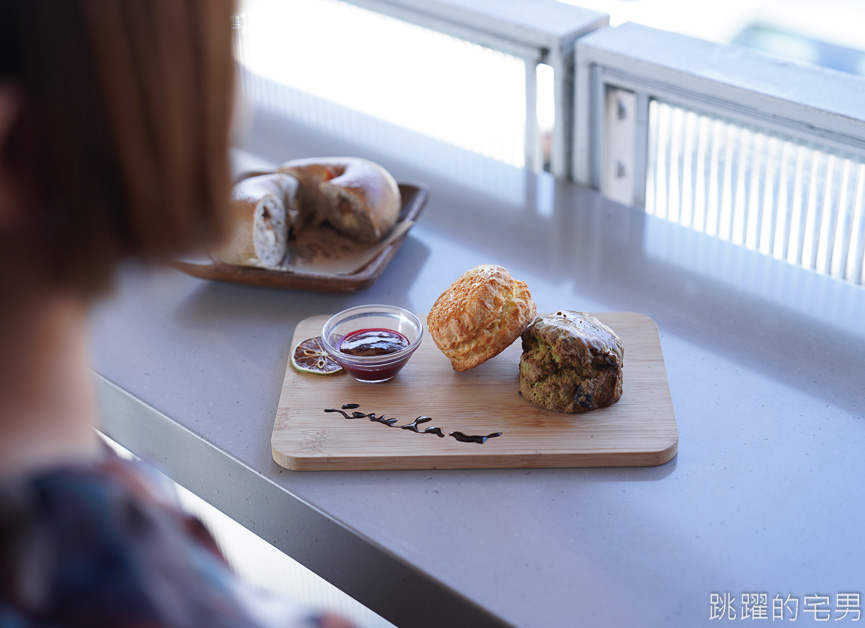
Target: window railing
797, 201
469, 72
762, 152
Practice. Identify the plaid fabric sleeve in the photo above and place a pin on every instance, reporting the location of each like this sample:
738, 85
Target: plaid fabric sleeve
99, 546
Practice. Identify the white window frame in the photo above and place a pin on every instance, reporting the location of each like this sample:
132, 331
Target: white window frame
806, 102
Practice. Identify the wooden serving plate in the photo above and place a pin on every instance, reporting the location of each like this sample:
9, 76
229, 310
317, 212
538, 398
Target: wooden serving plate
639, 430
414, 196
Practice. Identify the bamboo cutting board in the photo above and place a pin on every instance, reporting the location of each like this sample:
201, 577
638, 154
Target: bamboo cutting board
638, 430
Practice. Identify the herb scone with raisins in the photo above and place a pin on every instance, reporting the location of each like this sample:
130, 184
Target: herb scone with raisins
571, 362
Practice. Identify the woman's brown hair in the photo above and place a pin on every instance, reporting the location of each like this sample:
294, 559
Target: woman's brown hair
120, 146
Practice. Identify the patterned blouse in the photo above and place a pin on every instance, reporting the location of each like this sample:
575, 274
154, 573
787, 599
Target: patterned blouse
98, 546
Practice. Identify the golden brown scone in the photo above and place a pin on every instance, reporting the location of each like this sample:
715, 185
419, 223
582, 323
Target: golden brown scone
480, 315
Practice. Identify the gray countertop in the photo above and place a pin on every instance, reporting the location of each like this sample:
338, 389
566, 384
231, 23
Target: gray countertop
766, 364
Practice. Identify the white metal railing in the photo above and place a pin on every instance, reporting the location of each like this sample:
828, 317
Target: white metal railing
539, 32
795, 201
534, 33
765, 153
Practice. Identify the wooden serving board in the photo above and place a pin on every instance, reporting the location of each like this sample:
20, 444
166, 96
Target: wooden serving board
639, 430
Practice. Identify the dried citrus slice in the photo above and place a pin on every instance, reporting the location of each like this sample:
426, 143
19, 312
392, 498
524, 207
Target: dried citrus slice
310, 357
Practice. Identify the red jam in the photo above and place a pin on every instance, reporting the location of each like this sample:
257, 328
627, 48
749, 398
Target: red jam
374, 342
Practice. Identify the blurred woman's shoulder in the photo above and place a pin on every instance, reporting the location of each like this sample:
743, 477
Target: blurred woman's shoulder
103, 545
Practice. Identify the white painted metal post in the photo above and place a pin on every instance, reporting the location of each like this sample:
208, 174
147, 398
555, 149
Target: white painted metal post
533, 152
562, 62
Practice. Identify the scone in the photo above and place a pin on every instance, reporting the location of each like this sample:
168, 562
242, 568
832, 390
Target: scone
571, 362
480, 315
263, 210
